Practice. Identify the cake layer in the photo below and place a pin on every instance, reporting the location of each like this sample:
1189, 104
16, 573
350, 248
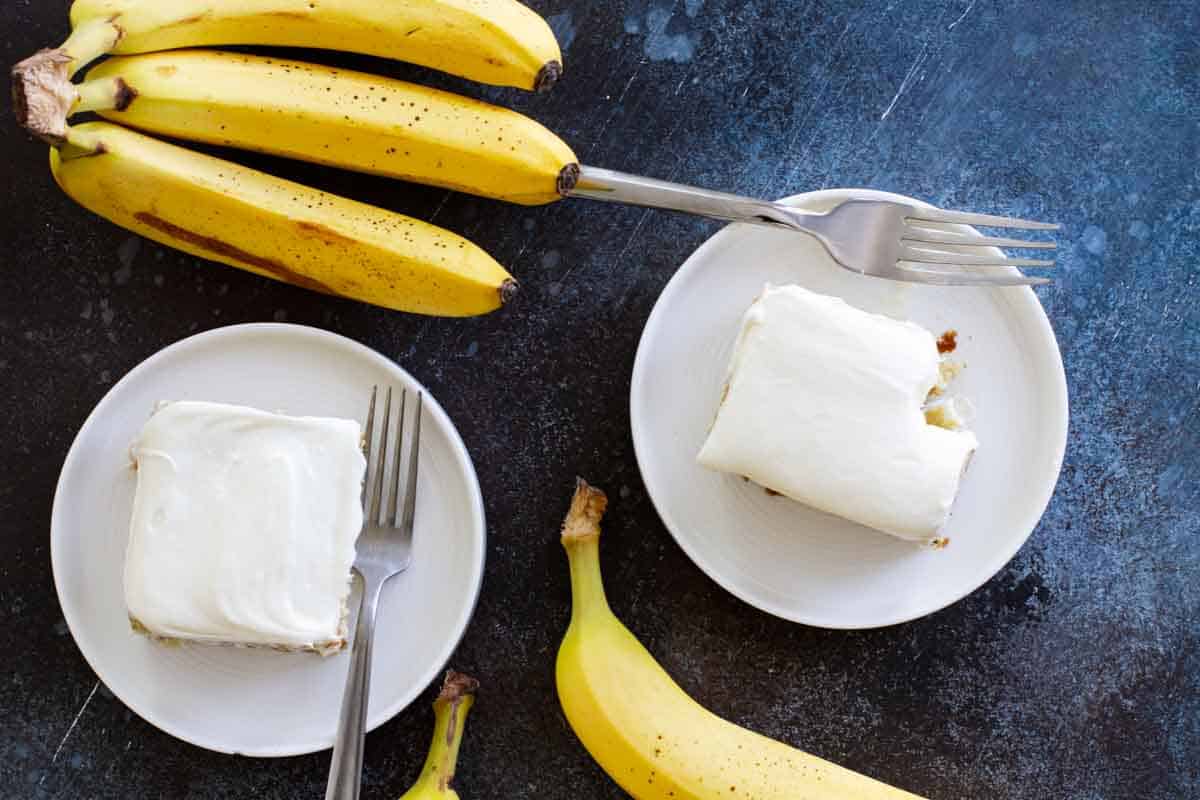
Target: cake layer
244, 526
824, 404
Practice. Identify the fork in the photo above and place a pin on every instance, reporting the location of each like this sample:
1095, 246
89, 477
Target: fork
897, 241
384, 551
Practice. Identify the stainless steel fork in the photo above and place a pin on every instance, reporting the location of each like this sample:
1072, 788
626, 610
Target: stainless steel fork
897, 241
384, 551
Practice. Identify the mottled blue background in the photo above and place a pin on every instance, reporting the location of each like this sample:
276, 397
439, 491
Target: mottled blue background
1074, 673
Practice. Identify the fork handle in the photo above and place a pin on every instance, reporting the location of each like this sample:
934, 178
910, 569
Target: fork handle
618, 187
345, 768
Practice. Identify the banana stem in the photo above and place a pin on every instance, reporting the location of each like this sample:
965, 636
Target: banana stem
581, 538
104, 94
80, 142
88, 42
42, 92
450, 716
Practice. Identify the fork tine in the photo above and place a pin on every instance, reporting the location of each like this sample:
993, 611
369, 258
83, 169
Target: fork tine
987, 220
912, 233
405, 521
391, 512
961, 278
920, 255
381, 461
369, 442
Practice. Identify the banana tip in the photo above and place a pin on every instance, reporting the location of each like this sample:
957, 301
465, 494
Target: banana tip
587, 509
456, 686
568, 179
508, 291
547, 76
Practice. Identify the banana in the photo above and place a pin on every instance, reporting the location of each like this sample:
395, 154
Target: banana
501, 42
450, 716
644, 731
225, 212
335, 117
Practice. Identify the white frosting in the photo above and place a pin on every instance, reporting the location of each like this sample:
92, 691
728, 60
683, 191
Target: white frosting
244, 525
825, 405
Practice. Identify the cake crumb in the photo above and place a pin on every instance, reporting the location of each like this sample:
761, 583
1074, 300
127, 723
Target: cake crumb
948, 342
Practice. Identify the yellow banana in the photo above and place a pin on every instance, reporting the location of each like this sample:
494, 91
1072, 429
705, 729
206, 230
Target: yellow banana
345, 119
644, 731
500, 42
225, 212
450, 716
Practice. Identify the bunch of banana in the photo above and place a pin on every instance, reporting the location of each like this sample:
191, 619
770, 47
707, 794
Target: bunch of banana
493, 41
643, 730
225, 212
450, 717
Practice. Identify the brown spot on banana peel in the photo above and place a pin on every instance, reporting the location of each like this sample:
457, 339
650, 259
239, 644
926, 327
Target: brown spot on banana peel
43, 95
568, 178
123, 94
218, 247
323, 232
194, 18
547, 76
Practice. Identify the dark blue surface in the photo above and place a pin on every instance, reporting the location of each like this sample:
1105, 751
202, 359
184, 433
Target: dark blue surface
1075, 673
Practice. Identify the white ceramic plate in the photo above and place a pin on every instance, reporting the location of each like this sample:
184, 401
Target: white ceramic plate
793, 561
260, 702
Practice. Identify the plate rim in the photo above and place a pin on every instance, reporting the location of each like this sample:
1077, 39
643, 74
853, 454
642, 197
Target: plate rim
458, 447
641, 445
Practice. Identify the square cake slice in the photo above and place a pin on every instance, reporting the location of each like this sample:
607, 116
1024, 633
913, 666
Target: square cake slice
244, 527
825, 403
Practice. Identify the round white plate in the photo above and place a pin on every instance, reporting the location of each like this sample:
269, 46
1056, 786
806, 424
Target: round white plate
793, 561
260, 702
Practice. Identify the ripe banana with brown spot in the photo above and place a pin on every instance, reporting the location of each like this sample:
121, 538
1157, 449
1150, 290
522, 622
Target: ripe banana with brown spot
225, 212
330, 116
644, 731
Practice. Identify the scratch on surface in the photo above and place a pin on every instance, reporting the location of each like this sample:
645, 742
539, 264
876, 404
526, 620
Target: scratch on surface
817, 130
682, 81
517, 258
963, 16
904, 84
835, 51
632, 236
645, 214
563, 281
78, 715
613, 115
441, 205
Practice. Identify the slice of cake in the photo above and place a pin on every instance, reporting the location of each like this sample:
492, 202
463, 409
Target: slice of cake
244, 526
825, 403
